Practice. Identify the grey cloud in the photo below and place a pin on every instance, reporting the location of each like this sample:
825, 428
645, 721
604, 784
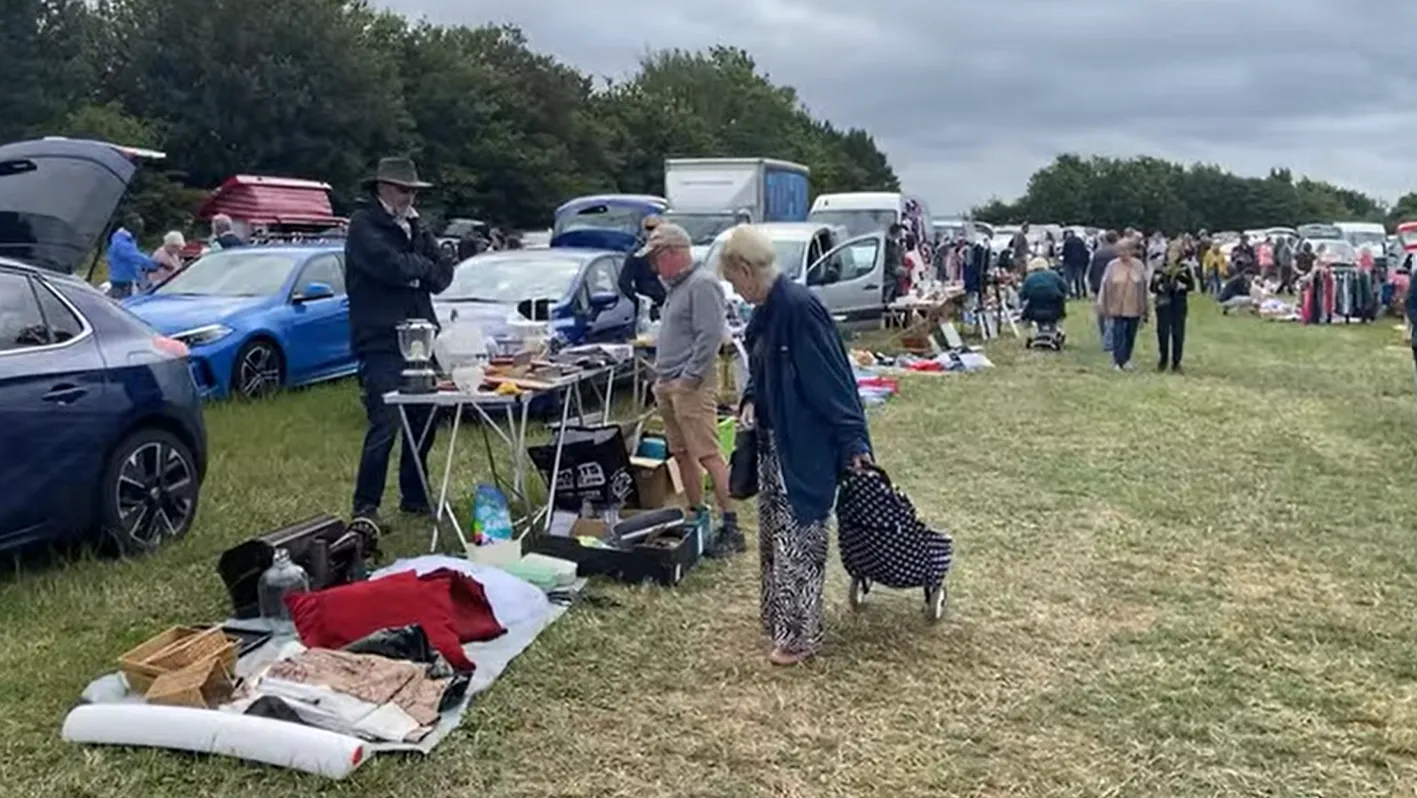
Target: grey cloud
968, 99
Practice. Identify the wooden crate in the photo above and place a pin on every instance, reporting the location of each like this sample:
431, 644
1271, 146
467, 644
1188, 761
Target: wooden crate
202, 685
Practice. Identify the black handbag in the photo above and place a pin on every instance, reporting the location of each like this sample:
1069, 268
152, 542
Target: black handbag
743, 464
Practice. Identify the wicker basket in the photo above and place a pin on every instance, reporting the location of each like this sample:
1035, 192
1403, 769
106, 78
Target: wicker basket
201, 685
173, 650
135, 663
211, 642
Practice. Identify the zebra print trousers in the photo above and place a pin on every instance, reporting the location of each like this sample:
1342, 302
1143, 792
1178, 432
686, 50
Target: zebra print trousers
793, 559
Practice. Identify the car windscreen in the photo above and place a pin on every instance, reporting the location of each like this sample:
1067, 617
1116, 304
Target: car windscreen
496, 278
789, 258
1367, 239
234, 272
858, 222
620, 218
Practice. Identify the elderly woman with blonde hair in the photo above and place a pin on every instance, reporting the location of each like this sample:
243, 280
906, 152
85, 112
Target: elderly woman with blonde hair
168, 257
801, 396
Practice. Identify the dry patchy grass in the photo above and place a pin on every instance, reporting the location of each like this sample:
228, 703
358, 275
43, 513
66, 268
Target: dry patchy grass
1176, 586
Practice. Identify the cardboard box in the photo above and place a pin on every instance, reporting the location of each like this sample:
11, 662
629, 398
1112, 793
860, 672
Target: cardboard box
658, 483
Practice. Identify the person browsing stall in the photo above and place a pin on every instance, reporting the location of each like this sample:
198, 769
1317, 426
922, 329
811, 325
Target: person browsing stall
637, 277
693, 326
128, 267
393, 267
811, 428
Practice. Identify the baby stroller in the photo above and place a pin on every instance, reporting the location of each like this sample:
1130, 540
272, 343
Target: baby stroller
1046, 335
883, 541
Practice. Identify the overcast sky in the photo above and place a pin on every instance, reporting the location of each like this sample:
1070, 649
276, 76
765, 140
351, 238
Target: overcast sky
969, 98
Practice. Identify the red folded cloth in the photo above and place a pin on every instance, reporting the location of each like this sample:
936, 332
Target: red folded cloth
473, 619
336, 617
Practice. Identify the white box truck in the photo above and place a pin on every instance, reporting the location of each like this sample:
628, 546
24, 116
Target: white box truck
709, 195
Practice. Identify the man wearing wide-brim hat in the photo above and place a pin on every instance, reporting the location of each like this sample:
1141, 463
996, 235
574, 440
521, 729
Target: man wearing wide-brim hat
392, 269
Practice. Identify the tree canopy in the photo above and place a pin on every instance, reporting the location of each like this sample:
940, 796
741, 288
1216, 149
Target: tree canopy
323, 88
1151, 193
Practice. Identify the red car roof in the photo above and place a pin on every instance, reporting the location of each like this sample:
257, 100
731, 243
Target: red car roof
257, 199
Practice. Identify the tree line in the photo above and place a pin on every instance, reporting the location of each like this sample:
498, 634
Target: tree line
1151, 193
322, 88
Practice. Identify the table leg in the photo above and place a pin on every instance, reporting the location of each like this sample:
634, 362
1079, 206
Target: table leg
609, 397
443, 505
416, 443
556, 465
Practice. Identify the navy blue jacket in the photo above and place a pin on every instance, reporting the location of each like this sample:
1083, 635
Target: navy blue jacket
637, 276
1410, 310
390, 277
804, 393
1075, 254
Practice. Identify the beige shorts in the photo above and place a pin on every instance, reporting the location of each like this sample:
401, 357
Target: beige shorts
691, 417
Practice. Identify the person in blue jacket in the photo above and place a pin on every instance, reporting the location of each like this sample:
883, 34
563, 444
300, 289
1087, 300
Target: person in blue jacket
127, 265
801, 396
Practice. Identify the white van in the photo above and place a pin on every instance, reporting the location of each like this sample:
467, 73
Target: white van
1371, 236
845, 272
864, 212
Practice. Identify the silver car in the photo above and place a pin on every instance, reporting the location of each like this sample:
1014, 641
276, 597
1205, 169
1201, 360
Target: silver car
847, 276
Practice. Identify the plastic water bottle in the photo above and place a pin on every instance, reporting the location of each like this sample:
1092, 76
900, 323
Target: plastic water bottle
642, 322
282, 579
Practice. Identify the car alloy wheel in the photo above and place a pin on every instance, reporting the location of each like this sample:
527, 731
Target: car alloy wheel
156, 493
258, 370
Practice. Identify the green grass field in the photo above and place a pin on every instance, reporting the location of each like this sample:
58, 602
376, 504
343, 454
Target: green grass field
1165, 586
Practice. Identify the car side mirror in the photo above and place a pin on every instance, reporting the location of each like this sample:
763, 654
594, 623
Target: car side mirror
601, 301
312, 292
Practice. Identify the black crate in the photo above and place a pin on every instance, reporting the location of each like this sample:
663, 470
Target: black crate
664, 565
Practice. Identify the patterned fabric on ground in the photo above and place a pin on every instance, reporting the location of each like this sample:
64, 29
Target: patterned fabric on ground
883, 540
375, 680
793, 558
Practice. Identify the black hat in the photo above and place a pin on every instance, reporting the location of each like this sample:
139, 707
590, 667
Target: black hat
398, 172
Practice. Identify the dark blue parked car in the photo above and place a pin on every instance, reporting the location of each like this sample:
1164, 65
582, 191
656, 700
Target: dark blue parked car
257, 318
100, 425
574, 289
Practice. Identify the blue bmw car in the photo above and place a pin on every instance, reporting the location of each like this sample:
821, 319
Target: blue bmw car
101, 428
257, 318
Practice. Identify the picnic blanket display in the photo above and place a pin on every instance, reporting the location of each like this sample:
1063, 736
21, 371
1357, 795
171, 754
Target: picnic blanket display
369, 673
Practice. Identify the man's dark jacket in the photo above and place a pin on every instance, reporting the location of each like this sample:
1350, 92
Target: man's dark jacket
1074, 253
1104, 255
637, 277
391, 277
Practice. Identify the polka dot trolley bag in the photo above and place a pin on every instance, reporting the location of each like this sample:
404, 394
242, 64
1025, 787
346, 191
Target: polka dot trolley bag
883, 541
